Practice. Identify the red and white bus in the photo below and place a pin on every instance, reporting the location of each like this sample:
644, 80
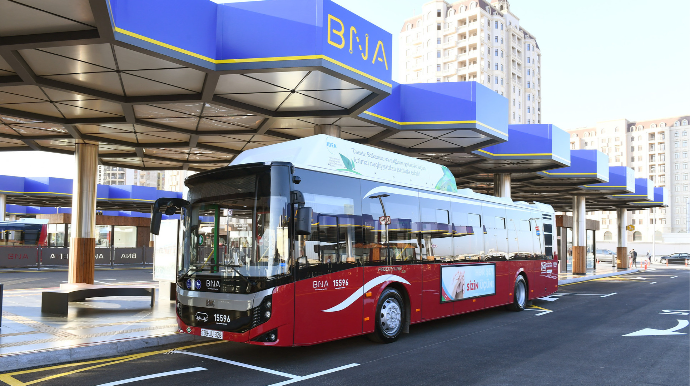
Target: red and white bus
320, 238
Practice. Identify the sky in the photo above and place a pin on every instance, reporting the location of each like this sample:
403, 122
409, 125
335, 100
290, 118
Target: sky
601, 60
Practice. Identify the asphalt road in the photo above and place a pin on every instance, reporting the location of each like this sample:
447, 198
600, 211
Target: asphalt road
574, 337
25, 279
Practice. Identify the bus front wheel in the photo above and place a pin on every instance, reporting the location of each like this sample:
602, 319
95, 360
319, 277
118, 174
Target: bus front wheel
519, 295
389, 317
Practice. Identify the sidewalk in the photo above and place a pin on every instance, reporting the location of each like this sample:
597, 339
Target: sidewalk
602, 270
98, 327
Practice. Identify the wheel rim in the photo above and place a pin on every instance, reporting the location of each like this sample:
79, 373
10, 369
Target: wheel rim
391, 317
520, 293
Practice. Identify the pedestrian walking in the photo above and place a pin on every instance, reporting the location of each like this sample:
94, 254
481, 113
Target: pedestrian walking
649, 258
633, 255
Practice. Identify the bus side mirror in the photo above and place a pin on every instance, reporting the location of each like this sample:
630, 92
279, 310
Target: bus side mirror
156, 222
168, 205
303, 221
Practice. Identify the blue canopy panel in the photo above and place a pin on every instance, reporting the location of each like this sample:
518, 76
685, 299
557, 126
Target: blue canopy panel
591, 166
51, 193
644, 192
437, 120
621, 181
661, 199
530, 148
277, 58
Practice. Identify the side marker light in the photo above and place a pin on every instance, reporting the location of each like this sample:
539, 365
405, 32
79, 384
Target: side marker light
368, 294
366, 319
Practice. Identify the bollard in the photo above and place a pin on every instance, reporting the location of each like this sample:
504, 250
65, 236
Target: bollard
1, 285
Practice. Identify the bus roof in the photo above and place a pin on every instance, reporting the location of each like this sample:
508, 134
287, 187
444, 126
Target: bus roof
338, 156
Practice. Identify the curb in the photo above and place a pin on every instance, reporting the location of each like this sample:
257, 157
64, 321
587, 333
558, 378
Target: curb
20, 360
592, 277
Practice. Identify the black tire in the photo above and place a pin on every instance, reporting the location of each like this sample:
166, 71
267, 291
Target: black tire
663, 261
519, 295
390, 317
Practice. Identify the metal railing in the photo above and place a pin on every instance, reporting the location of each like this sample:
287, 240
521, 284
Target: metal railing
37, 256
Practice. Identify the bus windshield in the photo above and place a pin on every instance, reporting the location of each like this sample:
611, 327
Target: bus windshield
241, 233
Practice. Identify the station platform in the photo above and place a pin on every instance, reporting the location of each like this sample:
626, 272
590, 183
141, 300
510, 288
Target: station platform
97, 327
102, 327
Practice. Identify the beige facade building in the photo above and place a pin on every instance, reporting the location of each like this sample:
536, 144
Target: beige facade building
474, 40
656, 149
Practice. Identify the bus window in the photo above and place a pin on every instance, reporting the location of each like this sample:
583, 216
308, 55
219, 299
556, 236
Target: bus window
468, 235
394, 243
434, 233
336, 224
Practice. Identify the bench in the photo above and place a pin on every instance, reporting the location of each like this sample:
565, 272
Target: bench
56, 301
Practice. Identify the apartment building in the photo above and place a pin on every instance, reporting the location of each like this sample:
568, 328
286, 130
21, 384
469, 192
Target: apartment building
113, 175
656, 149
474, 40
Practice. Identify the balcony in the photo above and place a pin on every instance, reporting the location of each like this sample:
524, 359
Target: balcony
473, 39
450, 30
450, 44
449, 71
461, 56
449, 58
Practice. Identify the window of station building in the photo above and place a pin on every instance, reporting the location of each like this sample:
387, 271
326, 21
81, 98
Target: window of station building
438, 13
103, 236
438, 26
56, 235
125, 236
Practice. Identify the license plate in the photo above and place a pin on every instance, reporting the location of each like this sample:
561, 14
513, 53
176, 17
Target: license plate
212, 334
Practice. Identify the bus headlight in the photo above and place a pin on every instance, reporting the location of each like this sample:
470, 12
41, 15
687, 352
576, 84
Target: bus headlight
267, 314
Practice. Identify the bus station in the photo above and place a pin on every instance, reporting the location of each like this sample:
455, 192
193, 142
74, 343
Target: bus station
119, 83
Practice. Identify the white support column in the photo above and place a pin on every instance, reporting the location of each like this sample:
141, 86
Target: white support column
332, 130
3, 206
83, 243
579, 235
502, 185
622, 249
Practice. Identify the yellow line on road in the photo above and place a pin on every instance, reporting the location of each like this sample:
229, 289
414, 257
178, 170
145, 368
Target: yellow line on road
541, 308
10, 380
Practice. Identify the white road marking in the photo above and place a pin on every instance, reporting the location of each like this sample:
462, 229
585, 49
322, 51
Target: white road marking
671, 331
549, 298
320, 373
653, 282
588, 294
158, 375
673, 277
265, 370
611, 294
544, 311
674, 312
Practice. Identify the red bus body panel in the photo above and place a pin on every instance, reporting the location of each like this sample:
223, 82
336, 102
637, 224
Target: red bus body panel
343, 304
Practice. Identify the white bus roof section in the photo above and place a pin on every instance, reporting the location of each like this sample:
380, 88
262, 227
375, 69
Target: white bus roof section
337, 156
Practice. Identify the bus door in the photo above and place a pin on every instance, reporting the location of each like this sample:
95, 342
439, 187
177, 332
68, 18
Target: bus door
435, 245
327, 278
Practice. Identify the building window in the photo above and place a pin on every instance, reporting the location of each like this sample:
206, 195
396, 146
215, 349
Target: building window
528, 59
438, 67
528, 98
496, 65
438, 13
528, 85
496, 24
496, 54
528, 110
528, 47
528, 71
496, 79
496, 39
438, 54
438, 41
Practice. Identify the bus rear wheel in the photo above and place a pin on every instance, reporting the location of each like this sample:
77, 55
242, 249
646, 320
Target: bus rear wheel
389, 317
519, 295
